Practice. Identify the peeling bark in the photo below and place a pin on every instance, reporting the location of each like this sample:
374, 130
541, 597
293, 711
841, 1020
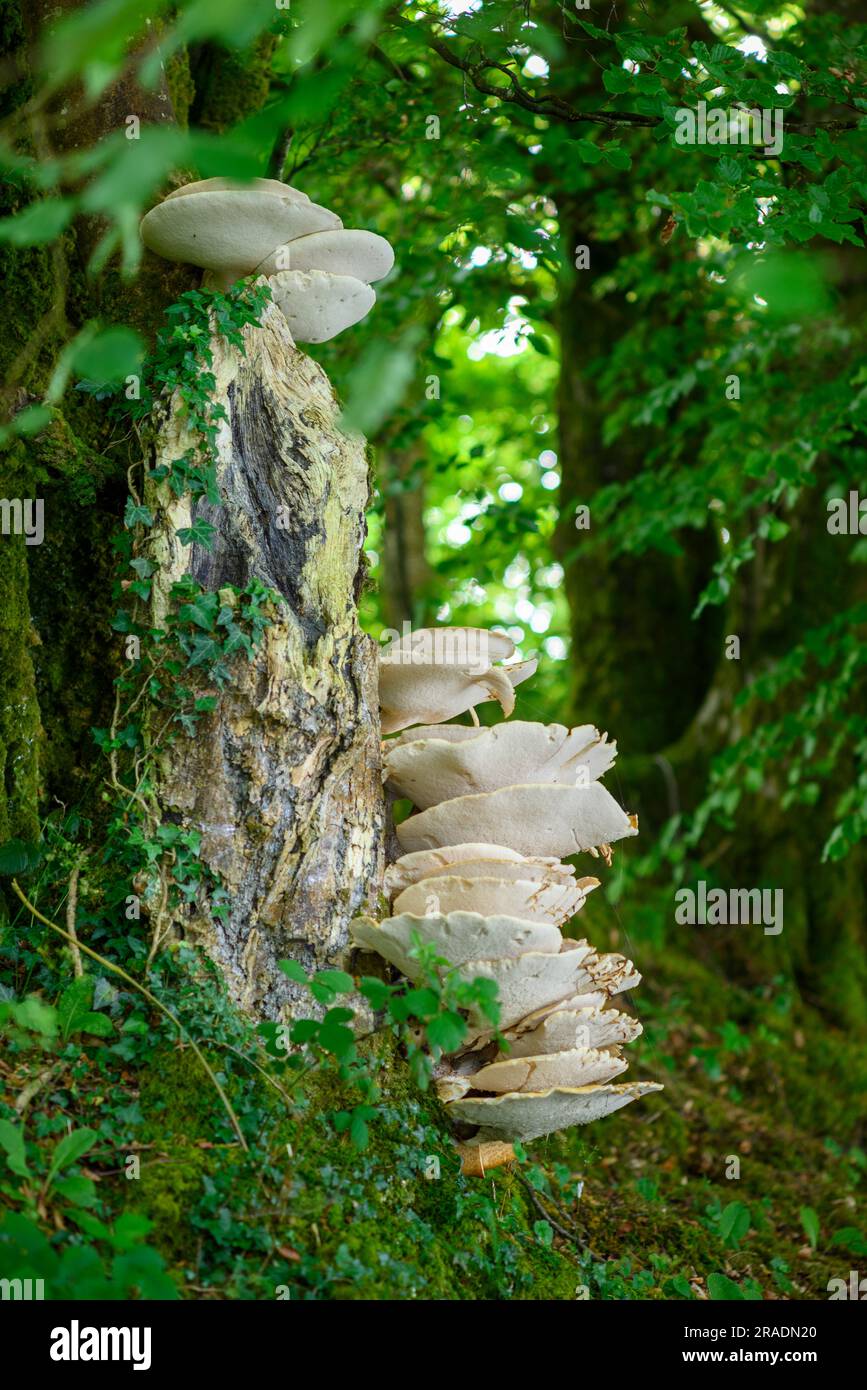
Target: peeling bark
283, 781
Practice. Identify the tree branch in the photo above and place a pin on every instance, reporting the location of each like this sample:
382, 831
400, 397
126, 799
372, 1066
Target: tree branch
554, 106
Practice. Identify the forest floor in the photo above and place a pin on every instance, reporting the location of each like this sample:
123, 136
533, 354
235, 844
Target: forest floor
739, 1180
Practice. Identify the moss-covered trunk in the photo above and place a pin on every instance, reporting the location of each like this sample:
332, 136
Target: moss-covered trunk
283, 780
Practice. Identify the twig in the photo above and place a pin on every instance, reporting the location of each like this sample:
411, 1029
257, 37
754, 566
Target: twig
267, 1075
71, 905
552, 105
163, 1008
33, 1087
567, 1233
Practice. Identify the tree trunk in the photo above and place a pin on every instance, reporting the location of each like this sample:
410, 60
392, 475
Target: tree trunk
283, 781
407, 581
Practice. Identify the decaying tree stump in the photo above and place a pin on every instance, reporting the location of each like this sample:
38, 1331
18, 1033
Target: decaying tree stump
283, 781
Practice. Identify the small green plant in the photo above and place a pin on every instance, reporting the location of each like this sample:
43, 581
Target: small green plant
429, 1019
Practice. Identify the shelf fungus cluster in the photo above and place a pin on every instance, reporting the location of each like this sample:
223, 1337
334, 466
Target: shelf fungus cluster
320, 272
495, 812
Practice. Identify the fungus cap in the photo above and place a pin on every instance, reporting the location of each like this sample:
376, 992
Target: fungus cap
529, 1115
528, 818
341, 251
533, 902
454, 646
569, 1028
224, 185
529, 981
229, 230
409, 693
579, 1066
318, 306
429, 766
473, 860
458, 936
433, 674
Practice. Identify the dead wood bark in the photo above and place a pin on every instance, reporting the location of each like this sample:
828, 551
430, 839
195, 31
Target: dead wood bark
283, 781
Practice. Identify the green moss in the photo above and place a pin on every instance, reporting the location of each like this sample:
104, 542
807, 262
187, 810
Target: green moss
365, 1224
230, 86
19, 712
180, 86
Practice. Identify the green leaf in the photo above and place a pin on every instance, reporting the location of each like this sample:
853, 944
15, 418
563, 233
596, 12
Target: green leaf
35, 1014
78, 1190
734, 1223
544, 1233
616, 80
376, 992
39, 223
587, 151
810, 1223
337, 980
135, 514
304, 1030
12, 1141
617, 156
99, 1025
70, 1149
719, 1286
851, 1239
358, 1131
540, 344
200, 533
111, 356
19, 857
199, 613
73, 1005
446, 1031
378, 382
294, 970
337, 1039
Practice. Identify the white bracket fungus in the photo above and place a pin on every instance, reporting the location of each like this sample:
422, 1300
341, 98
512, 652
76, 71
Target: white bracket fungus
435, 674
481, 878
319, 272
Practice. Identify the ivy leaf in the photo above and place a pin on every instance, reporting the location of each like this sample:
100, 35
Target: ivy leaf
544, 1233
135, 514
200, 533
198, 612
